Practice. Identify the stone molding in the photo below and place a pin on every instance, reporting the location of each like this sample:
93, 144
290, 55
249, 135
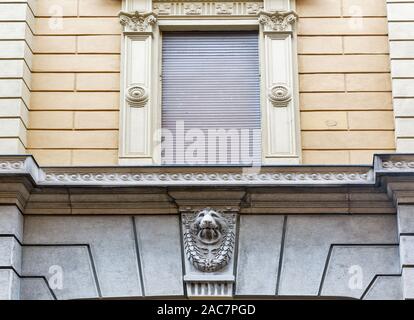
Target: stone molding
277, 20
137, 21
166, 190
394, 163
218, 289
207, 8
205, 178
398, 165
214, 175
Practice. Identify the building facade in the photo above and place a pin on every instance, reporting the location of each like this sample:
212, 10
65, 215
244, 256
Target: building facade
204, 149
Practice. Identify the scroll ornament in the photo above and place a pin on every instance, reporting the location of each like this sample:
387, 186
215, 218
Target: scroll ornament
137, 21
277, 20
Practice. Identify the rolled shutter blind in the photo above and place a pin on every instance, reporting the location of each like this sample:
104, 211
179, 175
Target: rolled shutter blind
210, 80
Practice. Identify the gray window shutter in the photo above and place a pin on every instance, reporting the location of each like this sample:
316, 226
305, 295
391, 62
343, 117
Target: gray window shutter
210, 81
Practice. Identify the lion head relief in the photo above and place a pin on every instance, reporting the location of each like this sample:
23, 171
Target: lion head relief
209, 238
209, 226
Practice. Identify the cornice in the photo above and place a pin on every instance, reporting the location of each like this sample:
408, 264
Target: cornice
19, 165
210, 175
166, 190
397, 163
398, 166
207, 176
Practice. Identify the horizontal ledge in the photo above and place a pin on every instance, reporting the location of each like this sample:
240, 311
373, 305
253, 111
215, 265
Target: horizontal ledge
209, 278
208, 21
147, 176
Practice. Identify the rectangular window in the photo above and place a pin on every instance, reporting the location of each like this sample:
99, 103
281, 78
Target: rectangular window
211, 98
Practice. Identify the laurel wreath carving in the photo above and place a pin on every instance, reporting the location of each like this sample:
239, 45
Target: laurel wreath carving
209, 258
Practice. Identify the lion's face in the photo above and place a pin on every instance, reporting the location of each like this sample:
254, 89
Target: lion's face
209, 226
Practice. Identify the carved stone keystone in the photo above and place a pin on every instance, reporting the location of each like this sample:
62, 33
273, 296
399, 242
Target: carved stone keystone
209, 243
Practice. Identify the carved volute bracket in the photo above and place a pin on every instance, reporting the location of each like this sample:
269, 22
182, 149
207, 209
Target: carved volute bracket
280, 21
137, 21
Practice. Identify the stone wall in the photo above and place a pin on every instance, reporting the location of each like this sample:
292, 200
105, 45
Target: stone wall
17, 25
75, 88
401, 29
133, 256
327, 231
345, 90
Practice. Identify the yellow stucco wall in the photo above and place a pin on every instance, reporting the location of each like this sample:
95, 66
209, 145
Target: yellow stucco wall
345, 84
345, 98
75, 98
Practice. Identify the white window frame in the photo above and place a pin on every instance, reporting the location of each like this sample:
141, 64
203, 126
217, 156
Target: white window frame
140, 108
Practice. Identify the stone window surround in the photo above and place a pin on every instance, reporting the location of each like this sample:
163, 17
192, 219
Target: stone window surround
140, 108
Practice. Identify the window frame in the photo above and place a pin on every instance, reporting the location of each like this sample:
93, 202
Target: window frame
225, 28
148, 136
